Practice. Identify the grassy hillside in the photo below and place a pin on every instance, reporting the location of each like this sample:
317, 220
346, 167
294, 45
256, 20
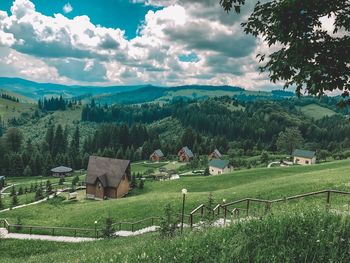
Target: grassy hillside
316, 112
263, 183
10, 109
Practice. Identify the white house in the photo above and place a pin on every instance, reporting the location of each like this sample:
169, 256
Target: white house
217, 166
304, 157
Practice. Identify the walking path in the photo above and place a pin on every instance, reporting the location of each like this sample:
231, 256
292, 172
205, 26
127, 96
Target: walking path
34, 203
4, 234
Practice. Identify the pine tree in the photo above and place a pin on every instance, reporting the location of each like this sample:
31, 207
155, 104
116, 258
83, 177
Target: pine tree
2, 206
13, 191
142, 184
39, 194
14, 201
20, 190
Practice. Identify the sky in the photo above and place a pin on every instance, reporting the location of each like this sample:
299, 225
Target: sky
128, 42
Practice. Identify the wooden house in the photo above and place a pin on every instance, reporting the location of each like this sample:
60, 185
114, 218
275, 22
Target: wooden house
185, 154
304, 157
215, 155
61, 171
217, 166
107, 178
156, 156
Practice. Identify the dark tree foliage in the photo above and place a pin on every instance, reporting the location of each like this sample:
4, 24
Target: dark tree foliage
308, 56
9, 97
54, 104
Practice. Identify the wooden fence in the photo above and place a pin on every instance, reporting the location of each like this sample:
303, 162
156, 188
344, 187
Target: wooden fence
232, 208
219, 210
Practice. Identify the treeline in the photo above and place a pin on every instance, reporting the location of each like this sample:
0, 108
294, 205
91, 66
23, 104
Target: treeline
146, 113
9, 97
56, 103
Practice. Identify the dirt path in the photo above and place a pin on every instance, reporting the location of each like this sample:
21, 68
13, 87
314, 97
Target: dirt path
6, 235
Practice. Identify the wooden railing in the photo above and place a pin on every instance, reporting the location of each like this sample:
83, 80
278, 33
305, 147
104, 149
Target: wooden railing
16, 228
267, 203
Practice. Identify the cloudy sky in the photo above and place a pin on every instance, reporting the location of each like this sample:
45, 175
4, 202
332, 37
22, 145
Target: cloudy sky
105, 42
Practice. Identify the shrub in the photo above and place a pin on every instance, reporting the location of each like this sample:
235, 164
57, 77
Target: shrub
108, 230
168, 223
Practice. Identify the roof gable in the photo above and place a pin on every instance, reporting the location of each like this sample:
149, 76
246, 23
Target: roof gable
107, 170
221, 164
304, 153
217, 153
188, 152
159, 153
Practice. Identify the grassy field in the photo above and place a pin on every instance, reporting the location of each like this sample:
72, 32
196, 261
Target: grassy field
316, 112
262, 183
10, 109
142, 167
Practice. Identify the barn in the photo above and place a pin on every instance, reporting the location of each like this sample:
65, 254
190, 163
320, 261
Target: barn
107, 178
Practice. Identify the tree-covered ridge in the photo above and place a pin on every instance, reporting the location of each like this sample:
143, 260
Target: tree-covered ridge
9, 97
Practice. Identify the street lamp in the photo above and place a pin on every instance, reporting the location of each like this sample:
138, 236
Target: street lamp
184, 193
95, 229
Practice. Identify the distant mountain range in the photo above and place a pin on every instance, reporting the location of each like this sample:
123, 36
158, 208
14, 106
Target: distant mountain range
32, 91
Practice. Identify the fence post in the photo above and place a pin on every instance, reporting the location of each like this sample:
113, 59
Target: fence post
75, 232
328, 200
225, 215
202, 211
152, 221
53, 231
248, 204
191, 220
30, 230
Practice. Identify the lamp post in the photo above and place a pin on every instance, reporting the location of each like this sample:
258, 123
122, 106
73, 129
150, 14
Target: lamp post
184, 193
95, 229
225, 210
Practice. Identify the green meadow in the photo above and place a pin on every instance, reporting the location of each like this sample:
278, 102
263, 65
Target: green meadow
266, 183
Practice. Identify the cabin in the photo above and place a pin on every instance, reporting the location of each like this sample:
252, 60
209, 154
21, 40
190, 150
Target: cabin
61, 171
304, 157
185, 154
215, 155
217, 166
107, 178
156, 156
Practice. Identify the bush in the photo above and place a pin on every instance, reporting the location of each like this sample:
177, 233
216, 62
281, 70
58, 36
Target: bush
108, 230
168, 223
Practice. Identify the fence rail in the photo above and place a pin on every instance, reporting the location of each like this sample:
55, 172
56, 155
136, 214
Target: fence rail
268, 204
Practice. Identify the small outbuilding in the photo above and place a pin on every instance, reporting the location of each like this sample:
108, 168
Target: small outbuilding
61, 171
107, 178
185, 154
304, 157
217, 166
156, 156
215, 155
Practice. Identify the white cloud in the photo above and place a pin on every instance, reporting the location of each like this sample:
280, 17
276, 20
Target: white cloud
67, 8
76, 50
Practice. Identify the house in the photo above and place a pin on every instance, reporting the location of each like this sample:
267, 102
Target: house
217, 166
304, 157
215, 155
107, 177
185, 154
61, 171
156, 156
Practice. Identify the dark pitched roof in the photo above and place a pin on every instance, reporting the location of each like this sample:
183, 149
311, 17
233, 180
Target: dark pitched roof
303, 153
159, 153
218, 154
109, 171
221, 164
188, 152
61, 169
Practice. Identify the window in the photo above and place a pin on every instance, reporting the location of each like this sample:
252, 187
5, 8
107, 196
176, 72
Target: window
306, 162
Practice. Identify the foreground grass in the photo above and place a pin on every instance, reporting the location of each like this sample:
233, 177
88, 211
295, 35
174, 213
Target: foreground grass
262, 183
300, 235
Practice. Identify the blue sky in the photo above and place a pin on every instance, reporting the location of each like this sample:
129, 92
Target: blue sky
127, 42
111, 13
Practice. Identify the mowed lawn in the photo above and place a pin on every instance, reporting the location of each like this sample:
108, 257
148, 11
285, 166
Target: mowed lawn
263, 183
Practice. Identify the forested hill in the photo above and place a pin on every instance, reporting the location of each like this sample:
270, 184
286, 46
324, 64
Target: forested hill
33, 91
